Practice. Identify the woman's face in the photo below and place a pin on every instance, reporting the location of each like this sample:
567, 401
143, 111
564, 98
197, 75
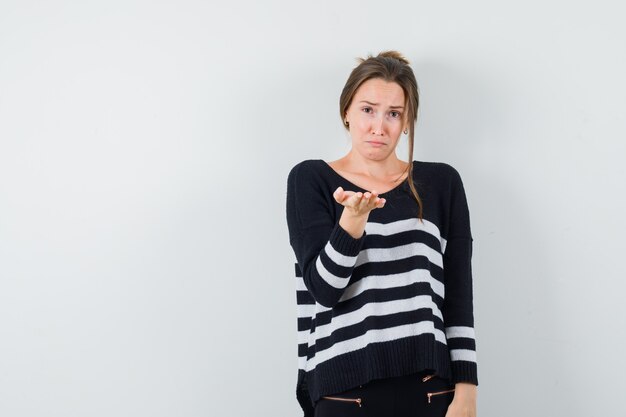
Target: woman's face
376, 118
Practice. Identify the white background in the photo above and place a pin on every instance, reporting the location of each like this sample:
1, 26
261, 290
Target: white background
145, 268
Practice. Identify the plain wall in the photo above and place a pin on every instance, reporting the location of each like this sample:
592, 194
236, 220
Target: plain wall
145, 268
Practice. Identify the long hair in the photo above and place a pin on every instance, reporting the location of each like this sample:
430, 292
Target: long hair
389, 66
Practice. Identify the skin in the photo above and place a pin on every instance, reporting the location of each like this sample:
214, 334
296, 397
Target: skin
377, 113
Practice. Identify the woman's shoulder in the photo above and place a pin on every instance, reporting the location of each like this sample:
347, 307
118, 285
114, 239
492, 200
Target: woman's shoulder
436, 171
307, 171
307, 164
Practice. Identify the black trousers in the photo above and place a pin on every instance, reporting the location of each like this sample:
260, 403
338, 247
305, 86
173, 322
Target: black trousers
417, 395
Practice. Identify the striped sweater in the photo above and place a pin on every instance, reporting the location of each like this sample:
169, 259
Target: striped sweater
395, 301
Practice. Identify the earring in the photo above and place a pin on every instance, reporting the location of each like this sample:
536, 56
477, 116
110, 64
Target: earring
346, 123
406, 131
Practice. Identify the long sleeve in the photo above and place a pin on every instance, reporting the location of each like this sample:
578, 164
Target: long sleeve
325, 252
458, 311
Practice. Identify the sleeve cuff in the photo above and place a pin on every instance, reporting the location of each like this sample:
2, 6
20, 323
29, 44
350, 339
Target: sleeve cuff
344, 243
464, 371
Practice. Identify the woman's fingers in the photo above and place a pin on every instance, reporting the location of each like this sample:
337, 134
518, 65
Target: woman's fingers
358, 201
376, 201
369, 201
353, 201
339, 195
373, 200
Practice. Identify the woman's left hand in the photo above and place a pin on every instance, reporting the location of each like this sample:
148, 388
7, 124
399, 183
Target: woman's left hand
464, 402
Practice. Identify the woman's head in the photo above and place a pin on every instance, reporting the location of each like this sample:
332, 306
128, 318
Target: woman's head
388, 66
377, 91
376, 118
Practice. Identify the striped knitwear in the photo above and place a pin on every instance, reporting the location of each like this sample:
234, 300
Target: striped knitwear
395, 301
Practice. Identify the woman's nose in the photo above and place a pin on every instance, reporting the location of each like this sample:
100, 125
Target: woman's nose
377, 126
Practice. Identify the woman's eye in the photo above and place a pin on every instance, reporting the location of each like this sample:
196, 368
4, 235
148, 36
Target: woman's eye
395, 114
367, 109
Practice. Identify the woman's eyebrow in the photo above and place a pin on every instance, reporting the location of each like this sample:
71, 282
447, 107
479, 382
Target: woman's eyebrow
376, 104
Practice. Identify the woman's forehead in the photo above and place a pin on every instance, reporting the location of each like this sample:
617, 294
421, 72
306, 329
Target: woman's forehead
379, 91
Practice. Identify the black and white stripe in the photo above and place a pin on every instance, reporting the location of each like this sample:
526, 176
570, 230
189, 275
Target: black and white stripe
396, 300
308, 310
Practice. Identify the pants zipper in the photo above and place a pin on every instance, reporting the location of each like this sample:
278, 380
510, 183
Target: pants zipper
350, 400
430, 394
359, 401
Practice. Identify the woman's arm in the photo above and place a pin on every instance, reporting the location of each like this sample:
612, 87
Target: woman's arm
458, 313
326, 249
326, 253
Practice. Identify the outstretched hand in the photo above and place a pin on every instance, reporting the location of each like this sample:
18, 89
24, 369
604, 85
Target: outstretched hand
358, 203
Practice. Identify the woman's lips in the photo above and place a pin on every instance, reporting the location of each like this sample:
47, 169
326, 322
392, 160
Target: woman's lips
374, 143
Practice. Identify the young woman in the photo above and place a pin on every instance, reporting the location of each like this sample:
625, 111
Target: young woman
383, 250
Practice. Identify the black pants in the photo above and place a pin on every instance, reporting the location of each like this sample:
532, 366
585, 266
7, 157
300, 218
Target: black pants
416, 395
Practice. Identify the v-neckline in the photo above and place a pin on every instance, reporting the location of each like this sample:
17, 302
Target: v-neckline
358, 187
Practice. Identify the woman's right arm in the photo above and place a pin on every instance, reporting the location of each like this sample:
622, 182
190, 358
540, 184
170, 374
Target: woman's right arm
326, 249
